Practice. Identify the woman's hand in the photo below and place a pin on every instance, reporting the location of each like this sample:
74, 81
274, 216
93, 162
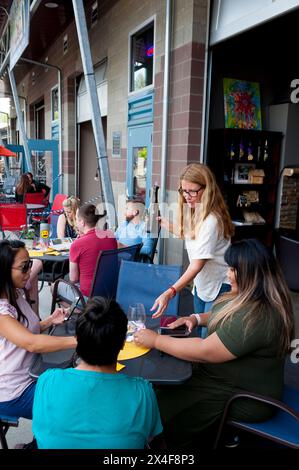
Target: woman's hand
145, 338
161, 303
164, 223
190, 322
57, 316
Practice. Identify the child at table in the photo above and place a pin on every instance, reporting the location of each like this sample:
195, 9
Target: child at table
93, 406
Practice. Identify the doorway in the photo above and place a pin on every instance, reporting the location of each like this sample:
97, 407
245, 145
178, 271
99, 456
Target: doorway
139, 163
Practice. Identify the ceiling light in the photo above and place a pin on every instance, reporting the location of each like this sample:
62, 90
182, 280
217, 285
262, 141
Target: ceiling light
51, 5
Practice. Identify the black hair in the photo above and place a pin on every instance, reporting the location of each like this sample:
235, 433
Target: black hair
101, 331
87, 212
8, 251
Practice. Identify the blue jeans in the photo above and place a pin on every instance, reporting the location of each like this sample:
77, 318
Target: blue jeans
200, 306
20, 407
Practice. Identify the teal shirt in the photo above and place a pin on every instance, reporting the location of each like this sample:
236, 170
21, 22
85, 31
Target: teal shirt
78, 409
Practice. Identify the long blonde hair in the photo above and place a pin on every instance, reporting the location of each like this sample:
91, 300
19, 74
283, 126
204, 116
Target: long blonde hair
212, 202
262, 290
72, 203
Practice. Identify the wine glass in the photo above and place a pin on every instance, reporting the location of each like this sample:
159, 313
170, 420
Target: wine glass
137, 316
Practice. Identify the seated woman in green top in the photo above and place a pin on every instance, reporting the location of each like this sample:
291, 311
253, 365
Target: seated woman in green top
249, 333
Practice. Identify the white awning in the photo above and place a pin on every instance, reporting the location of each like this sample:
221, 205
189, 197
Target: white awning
83, 106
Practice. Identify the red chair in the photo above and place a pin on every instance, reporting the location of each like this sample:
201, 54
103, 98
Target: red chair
13, 218
57, 207
37, 198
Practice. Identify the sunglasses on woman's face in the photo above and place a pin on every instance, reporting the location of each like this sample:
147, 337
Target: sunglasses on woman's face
26, 266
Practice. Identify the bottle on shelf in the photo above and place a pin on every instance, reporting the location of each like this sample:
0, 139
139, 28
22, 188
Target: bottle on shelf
266, 151
249, 152
259, 151
241, 150
232, 152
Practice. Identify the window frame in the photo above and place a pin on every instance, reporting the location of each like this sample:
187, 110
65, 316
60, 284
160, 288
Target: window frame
132, 33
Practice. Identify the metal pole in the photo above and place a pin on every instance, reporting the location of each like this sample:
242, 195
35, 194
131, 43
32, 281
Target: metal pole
96, 119
168, 24
20, 118
206, 93
59, 71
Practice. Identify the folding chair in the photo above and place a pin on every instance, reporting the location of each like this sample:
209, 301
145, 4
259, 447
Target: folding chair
13, 218
140, 282
105, 277
282, 428
5, 423
37, 198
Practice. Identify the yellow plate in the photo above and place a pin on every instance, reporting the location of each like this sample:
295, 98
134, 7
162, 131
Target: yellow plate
130, 351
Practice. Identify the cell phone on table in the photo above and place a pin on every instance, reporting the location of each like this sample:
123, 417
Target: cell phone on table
178, 332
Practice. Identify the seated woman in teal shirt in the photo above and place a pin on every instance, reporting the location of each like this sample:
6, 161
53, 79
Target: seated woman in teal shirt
250, 331
93, 406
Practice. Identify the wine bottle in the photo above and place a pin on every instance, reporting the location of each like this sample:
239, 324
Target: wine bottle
232, 152
259, 151
249, 152
266, 154
241, 150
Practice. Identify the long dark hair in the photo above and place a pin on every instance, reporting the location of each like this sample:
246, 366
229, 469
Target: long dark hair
8, 251
261, 288
23, 185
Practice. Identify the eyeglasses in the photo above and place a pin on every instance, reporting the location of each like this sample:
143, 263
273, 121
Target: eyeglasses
191, 193
26, 266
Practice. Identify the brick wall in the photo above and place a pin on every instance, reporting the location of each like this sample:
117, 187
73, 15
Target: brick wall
289, 203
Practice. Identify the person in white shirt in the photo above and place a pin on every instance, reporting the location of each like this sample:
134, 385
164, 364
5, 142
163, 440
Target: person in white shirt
205, 225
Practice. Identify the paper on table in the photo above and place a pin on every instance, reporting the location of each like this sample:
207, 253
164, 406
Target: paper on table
130, 351
35, 253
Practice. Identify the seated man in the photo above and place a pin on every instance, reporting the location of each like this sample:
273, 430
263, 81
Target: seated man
93, 406
85, 249
133, 229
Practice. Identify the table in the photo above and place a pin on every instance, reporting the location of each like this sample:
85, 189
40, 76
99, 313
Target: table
159, 368
32, 206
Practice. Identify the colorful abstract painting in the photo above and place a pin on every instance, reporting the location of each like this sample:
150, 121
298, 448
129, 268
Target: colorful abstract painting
242, 104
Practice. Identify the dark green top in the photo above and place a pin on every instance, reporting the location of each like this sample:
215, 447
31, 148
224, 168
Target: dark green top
257, 368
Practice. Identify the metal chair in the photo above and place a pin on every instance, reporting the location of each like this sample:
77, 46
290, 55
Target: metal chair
148, 249
282, 428
13, 218
140, 282
105, 277
5, 423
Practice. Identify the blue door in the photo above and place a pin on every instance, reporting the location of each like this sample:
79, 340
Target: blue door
139, 162
44, 161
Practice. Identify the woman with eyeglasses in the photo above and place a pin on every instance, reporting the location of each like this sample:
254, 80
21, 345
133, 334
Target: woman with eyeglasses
20, 332
205, 225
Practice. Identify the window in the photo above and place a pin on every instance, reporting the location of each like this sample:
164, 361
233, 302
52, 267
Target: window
142, 58
55, 104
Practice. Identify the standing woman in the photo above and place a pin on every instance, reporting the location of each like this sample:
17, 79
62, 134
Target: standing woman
66, 224
20, 332
205, 225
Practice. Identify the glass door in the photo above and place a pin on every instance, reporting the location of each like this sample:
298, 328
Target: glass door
139, 162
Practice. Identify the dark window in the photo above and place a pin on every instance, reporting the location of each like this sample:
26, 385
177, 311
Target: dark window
142, 58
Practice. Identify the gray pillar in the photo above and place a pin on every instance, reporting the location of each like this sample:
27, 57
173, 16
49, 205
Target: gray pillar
20, 118
96, 119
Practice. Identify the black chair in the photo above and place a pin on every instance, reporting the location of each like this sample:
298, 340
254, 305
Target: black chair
5, 423
105, 277
53, 270
282, 428
148, 249
287, 254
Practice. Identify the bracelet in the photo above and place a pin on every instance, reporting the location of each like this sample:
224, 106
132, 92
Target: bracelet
198, 318
173, 290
